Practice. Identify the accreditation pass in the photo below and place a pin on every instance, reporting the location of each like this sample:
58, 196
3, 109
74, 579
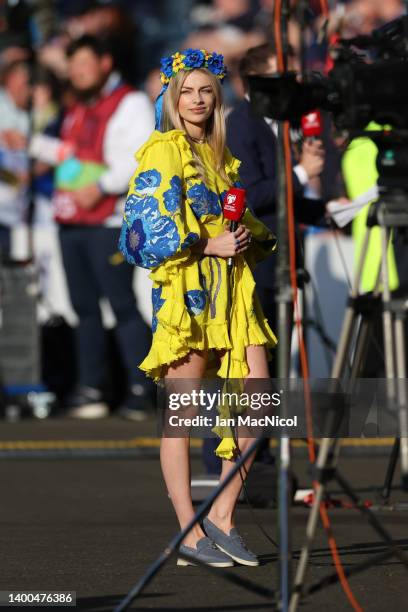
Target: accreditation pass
37, 598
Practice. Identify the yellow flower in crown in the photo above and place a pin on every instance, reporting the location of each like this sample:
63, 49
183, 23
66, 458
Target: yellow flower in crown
178, 63
190, 59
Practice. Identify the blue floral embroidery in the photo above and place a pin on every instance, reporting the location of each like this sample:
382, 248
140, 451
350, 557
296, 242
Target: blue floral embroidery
157, 302
135, 239
172, 196
147, 238
195, 301
154, 323
138, 206
190, 239
203, 201
164, 241
147, 182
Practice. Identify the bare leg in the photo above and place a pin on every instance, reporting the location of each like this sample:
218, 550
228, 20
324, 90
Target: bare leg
175, 453
222, 510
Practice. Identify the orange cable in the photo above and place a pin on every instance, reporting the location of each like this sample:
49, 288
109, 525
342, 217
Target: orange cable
277, 33
324, 6
337, 561
302, 348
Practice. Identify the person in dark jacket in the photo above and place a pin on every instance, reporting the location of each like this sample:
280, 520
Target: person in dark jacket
252, 139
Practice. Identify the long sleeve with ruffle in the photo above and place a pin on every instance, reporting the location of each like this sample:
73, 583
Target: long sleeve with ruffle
158, 226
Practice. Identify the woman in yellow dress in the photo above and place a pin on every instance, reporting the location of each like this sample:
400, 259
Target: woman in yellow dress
174, 225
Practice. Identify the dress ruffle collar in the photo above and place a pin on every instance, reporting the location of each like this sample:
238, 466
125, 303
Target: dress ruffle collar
179, 138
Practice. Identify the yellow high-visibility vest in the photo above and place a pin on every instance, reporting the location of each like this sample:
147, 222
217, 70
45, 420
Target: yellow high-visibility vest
360, 174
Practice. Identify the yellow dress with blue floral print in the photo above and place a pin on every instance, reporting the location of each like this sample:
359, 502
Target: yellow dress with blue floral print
169, 208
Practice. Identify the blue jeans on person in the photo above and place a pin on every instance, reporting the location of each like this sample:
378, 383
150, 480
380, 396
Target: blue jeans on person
91, 274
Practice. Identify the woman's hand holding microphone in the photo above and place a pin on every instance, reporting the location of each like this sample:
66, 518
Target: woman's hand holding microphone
228, 243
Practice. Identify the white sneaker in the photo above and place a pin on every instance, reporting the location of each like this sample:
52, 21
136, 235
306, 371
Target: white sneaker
98, 410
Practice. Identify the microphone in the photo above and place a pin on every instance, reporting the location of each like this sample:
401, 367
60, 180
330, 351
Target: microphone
234, 208
312, 125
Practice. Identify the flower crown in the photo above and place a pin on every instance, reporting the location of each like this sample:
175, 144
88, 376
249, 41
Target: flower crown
190, 59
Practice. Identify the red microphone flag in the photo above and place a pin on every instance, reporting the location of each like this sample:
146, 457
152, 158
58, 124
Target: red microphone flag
234, 204
312, 124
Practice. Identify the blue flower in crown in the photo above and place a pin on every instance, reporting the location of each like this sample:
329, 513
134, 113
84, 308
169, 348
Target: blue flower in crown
215, 64
166, 65
194, 58
188, 60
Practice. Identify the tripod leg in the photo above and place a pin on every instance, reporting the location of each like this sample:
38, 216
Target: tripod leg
329, 448
326, 453
347, 329
360, 352
402, 393
392, 464
389, 355
344, 343
387, 315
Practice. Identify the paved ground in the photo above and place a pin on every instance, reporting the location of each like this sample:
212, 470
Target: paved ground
94, 524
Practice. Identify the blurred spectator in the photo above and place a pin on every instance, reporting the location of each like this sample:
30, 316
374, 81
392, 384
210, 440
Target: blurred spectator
14, 30
108, 20
228, 27
14, 130
46, 119
105, 128
153, 84
103, 20
389, 10
362, 16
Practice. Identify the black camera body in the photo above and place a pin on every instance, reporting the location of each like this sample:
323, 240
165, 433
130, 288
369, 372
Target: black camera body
356, 91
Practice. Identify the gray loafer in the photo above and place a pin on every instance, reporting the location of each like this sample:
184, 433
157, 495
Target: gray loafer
233, 544
207, 553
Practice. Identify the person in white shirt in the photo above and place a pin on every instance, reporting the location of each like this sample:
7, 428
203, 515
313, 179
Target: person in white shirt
104, 129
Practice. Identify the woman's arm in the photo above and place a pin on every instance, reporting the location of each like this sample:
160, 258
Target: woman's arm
158, 227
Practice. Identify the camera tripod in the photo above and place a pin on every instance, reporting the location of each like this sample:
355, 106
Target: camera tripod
390, 213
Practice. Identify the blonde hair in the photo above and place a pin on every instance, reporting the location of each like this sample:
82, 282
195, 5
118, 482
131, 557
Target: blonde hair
215, 128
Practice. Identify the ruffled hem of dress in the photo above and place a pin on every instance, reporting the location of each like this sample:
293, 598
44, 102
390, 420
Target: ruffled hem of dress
216, 338
155, 362
179, 346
